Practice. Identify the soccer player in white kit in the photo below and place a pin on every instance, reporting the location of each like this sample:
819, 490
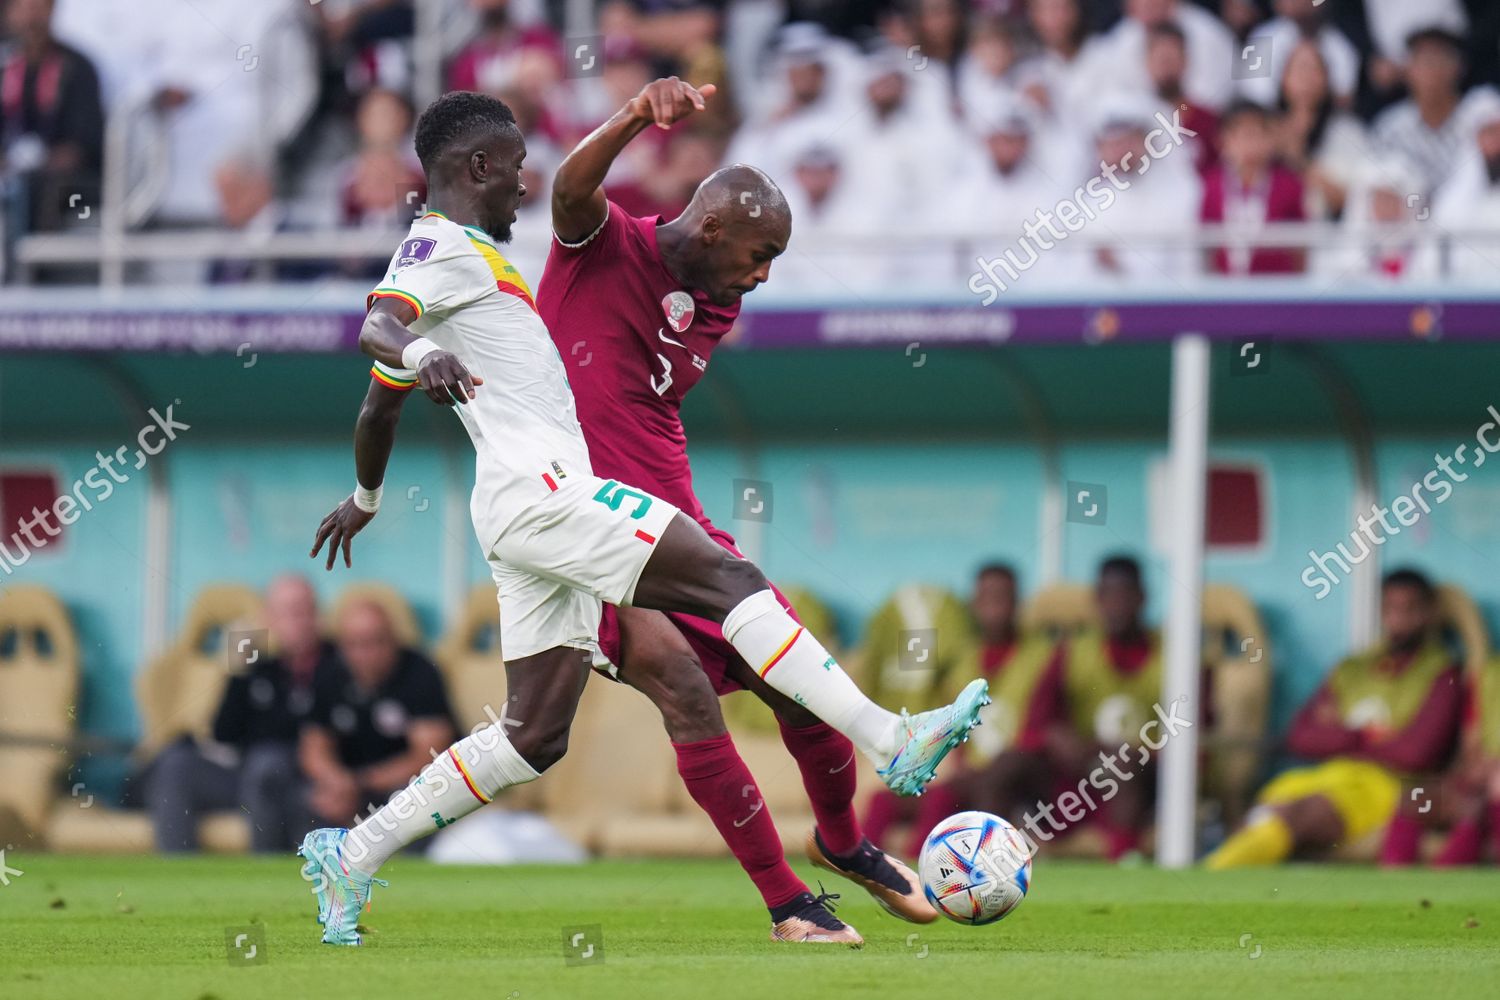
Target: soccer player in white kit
454, 317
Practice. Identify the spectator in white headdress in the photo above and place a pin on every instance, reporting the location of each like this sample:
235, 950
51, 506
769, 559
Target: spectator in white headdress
1466, 211
811, 102
1210, 47
1384, 225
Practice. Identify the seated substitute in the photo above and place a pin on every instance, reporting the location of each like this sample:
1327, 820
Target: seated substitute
252, 764
1380, 724
1469, 793
1002, 769
378, 718
1100, 699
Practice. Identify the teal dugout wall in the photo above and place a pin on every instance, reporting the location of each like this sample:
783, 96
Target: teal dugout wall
883, 471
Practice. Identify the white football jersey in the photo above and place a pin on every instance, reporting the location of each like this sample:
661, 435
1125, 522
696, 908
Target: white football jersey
470, 301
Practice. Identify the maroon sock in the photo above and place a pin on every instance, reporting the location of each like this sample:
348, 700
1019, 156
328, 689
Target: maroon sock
937, 804
719, 781
1403, 841
881, 813
1463, 845
829, 774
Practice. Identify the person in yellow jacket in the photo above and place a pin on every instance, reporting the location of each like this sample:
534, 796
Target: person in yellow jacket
1098, 709
1382, 720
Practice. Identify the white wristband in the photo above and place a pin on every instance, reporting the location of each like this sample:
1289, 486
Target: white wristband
368, 500
413, 353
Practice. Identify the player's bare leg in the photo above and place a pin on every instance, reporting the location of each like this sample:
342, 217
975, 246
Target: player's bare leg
660, 663
836, 843
688, 571
542, 693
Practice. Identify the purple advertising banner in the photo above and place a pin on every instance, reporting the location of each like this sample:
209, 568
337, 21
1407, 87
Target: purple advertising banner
243, 322
1320, 319
198, 331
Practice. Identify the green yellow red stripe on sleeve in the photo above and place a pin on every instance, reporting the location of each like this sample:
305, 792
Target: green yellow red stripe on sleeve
391, 381
396, 293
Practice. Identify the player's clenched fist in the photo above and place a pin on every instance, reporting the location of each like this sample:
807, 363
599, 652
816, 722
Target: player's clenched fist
669, 100
445, 379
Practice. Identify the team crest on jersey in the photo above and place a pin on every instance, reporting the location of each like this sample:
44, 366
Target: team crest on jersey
416, 249
679, 308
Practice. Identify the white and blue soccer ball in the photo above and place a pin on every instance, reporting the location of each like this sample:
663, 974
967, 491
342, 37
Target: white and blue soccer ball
975, 868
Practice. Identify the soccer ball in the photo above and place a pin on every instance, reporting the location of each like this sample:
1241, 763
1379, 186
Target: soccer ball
975, 868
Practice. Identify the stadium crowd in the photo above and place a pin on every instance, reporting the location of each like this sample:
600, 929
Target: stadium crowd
968, 127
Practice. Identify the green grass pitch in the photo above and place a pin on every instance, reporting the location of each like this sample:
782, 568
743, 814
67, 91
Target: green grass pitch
151, 928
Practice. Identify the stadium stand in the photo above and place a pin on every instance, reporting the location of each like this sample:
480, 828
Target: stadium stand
38, 699
180, 689
1236, 651
270, 159
1060, 610
177, 695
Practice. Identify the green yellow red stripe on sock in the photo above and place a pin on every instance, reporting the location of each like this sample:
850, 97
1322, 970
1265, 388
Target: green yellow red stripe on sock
785, 646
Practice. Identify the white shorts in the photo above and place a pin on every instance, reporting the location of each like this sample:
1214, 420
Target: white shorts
581, 545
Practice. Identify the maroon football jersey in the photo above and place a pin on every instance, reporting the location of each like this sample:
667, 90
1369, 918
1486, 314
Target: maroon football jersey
633, 341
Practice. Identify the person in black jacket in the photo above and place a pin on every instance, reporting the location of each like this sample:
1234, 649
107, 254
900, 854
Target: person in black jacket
377, 719
252, 764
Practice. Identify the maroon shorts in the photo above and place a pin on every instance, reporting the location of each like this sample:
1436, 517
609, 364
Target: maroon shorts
714, 652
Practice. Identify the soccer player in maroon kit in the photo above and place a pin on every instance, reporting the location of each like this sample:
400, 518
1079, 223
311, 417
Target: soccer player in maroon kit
636, 307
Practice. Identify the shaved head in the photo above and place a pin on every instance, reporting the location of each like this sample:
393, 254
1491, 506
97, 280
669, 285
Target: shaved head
742, 194
723, 243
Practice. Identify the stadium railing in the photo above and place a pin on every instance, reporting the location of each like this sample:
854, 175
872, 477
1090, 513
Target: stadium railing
948, 261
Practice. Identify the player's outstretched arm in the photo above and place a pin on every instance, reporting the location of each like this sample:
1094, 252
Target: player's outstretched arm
374, 438
578, 203
385, 337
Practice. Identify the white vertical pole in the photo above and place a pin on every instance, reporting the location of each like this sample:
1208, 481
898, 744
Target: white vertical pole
1177, 795
156, 567
1364, 578
1053, 514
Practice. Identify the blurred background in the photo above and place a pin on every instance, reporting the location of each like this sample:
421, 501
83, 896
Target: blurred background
1270, 308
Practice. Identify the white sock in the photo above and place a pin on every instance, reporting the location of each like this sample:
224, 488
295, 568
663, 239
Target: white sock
458, 781
793, 662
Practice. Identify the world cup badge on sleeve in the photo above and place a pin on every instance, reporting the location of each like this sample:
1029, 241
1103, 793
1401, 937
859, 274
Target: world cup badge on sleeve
418, 248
